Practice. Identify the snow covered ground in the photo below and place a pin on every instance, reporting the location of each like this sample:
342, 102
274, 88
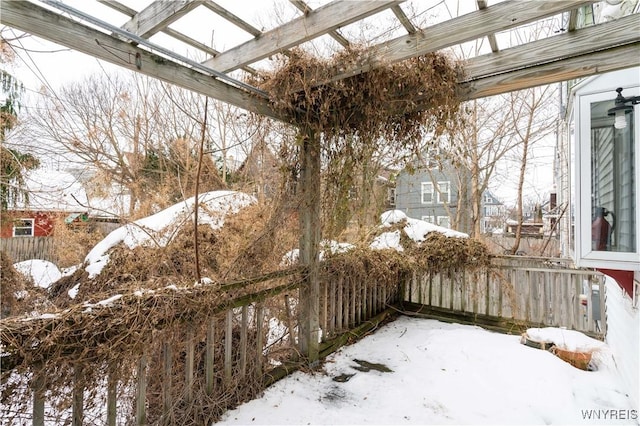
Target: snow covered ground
446, 374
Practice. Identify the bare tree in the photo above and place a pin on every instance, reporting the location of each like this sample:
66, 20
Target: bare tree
129, 132
534, 114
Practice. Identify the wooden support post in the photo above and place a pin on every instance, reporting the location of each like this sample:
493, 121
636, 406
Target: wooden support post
141, 392
309, 242
209, 355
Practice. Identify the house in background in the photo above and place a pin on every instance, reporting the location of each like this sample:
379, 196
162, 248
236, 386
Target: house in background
493, 212
431, 192
52, 196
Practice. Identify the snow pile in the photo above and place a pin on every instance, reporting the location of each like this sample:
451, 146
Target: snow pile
388, 240
160, 228
41, 272
333, 247
415, 229
569, 340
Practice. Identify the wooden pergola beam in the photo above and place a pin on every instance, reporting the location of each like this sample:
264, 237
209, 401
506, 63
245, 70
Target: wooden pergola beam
125, 10
567, 69
474, 25
34, 19
493, 43
404, 19
224, 13
619, 32
158, 15
304, 8
314, 24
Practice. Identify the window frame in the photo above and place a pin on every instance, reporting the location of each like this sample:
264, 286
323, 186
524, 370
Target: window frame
32, 227
585, 256
423, 192
448, 192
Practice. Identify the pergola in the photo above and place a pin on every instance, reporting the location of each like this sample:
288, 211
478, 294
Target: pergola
569, 54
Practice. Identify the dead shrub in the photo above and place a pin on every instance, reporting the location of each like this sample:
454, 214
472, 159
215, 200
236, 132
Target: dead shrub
441, 253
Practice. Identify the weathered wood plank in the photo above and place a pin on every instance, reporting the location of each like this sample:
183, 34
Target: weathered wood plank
126, 10
224, 13
158, 15
36, 20
561, 70
78, 397
141, 391
167, 380
471, 26
623, 31
332, 309
339, 307
404, 19
228, 347
209, 360
189, 366
309, 223
260, 339
290, 322
112, 395
244, 331
38, 388
327, 18
304, 8
482, 4
324, 308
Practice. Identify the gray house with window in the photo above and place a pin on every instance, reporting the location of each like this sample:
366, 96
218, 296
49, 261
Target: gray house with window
431, 193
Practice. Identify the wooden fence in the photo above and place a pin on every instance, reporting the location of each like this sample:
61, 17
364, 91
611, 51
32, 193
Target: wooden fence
249, 341
244, 345
25, 248
518, 292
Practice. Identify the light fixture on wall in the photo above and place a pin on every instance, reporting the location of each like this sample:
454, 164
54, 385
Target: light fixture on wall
623, 106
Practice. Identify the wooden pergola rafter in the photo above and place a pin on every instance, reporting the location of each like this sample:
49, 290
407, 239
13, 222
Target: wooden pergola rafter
497, 72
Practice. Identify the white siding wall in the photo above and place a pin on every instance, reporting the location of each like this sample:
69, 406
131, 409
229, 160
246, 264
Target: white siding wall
623, 337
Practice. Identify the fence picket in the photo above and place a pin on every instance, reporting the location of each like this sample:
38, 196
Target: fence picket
38, 388
77, 397
141, 391
209, 355
167, 361
112, 386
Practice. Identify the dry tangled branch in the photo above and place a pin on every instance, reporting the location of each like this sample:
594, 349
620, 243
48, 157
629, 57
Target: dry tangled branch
395, 102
